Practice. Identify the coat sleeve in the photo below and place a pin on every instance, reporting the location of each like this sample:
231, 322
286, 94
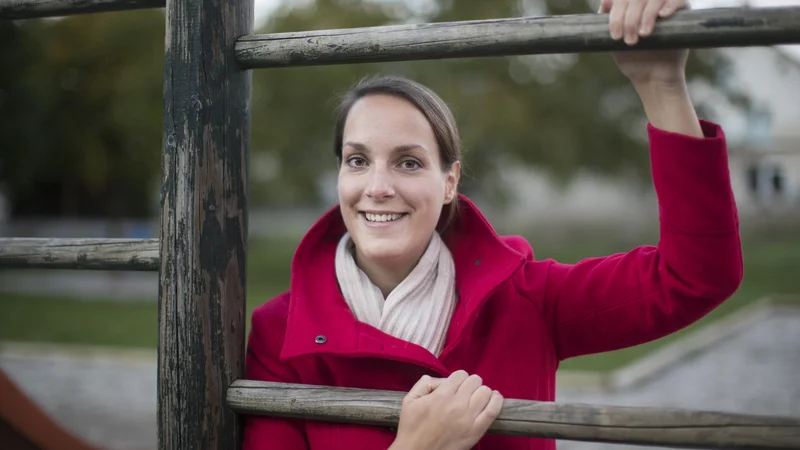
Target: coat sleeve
262, 363
613, 302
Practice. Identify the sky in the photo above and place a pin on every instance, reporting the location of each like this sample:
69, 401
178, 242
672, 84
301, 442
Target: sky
264, 7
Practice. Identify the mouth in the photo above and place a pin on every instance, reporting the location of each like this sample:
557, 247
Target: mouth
379, 218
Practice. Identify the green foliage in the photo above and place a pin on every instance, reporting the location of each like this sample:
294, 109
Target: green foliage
771, 269
82, 128
563, 113
81, 107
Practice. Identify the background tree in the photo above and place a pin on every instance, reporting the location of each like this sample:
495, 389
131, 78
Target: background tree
81, 107
563, 113
82, 124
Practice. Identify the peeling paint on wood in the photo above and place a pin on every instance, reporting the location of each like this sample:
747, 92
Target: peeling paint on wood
203, 224
29, 9
579, 422
93, 254
719, 27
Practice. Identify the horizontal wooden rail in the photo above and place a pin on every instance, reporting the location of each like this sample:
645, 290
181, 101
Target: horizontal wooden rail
617, 424
98, 254
718, 27
31, 9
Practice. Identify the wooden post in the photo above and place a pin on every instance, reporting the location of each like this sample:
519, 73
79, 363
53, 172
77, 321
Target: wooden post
201, 310
671, 427
29, 9
70, 253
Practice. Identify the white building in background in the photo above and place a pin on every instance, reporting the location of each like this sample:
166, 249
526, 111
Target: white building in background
764, 156
765, 146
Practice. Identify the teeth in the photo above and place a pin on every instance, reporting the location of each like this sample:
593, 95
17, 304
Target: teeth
382, 217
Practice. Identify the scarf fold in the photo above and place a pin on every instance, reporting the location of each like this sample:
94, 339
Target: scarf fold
418, 310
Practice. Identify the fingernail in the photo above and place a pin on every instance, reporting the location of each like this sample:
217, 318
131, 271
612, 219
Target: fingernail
644, 30
663, 12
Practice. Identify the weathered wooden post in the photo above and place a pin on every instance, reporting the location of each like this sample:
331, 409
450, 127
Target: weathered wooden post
201, 256
203, 223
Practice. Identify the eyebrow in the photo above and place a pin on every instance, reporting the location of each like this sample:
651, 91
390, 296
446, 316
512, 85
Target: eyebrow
398, 149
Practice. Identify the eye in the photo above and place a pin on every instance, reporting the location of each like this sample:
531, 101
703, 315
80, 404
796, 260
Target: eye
410, 164
356, 161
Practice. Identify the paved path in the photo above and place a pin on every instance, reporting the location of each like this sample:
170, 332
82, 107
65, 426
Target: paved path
82, 284
754, 372
112, 401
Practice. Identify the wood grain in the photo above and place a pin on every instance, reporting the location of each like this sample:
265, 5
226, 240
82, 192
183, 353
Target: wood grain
97, 254
720, 27
30, 9
614, 424
205, 152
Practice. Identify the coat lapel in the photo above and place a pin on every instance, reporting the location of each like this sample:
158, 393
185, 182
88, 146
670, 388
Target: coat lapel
320, 322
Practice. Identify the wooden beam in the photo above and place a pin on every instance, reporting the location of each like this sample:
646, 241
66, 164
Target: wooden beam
97, 254
31, 9
201, 313
720, 27
578, 422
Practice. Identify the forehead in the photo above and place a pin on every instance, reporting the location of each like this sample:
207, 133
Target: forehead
381, 118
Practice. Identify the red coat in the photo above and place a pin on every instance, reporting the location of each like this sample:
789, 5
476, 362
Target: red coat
516, 317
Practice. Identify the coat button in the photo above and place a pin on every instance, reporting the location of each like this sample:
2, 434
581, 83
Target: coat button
320, 339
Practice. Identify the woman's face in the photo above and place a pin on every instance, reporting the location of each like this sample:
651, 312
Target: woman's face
391, 184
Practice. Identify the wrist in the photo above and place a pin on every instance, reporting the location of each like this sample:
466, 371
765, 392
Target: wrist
658, 98
668, 106
666, 88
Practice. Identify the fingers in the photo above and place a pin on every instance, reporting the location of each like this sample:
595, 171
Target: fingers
451, 384
479, 399
671, 6
469, 385
649, 16
490, 412
424, 386
467, 390
616, 19
632, 19
475, 394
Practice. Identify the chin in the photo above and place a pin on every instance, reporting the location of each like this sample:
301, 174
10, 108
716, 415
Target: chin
383, 251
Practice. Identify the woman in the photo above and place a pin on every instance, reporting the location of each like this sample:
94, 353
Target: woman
405, 286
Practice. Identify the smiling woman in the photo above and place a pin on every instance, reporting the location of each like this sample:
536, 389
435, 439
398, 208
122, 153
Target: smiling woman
393, 179
405, 285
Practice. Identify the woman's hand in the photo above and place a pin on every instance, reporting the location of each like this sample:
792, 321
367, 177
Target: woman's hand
630, 20
446, 413
658, 76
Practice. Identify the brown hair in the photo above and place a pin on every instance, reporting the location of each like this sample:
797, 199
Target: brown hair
426, 101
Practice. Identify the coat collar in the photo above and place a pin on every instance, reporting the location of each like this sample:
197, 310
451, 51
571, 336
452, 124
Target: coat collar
320, 322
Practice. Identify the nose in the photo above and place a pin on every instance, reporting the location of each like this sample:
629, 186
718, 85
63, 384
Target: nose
380, 185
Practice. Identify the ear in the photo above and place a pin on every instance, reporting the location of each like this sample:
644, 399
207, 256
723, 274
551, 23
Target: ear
451, 182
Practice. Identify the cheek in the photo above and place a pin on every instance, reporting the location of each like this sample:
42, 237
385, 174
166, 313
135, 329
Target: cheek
429, 195
347, 190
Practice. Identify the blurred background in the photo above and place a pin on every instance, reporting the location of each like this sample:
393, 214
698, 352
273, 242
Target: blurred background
555, 150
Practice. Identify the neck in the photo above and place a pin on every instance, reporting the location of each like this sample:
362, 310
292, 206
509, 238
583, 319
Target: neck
385, 277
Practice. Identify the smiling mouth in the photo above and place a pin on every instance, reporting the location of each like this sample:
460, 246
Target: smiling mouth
378, 218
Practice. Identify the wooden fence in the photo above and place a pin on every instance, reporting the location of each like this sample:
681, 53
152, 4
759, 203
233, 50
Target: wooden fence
200, 255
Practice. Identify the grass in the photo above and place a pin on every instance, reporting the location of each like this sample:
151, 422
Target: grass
771, 267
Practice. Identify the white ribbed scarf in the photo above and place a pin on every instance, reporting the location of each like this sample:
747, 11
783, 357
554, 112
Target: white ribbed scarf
418, 310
